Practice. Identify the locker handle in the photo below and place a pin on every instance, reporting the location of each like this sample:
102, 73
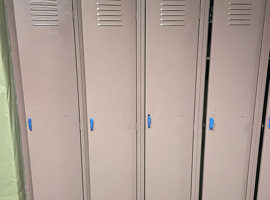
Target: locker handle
211, 123
91, 124
269, 123
149, 120
30, 124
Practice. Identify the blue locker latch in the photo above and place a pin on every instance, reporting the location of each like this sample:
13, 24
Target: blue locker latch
91, 124
30, 124
211, 123
269, 123
149, 120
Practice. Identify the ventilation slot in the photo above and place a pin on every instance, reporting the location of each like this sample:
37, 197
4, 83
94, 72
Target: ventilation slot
172, 13
44, 13
239, 13
109, 13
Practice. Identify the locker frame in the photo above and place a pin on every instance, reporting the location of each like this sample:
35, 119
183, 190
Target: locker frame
141, 21
257, 119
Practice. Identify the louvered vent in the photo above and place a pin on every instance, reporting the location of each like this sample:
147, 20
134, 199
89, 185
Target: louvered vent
172, 12
44, 12
239, 13
109, 12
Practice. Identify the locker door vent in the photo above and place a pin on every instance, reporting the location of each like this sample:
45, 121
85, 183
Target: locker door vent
109, 13
172, 12
239, 13
44, 12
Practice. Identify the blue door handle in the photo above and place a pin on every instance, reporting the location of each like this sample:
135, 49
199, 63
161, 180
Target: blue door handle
30, 124
211, 123
91, 124
149, 120
269, 123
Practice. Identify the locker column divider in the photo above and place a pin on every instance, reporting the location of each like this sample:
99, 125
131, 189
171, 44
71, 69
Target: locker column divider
140, 99
77, 18
199, 100
19, 98
257, 121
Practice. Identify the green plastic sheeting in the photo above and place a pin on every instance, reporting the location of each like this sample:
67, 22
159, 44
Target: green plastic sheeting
11, 168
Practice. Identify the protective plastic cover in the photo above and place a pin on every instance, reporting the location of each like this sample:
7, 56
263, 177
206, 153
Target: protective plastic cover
11, 167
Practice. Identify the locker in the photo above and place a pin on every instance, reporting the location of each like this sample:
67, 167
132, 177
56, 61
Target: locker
234, 65
109, 31
172, 29
48, 70
264, 176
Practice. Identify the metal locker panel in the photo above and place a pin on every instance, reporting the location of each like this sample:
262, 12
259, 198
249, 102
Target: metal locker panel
171, 56
234, 64
48, 70
264, 177
109, 30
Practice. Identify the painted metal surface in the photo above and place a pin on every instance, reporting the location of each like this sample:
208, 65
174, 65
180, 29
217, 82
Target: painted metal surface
172, 29
48, 70
109, 31
234, 65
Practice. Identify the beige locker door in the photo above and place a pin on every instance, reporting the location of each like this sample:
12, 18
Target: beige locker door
234, 64
171, 55
48, 68
109, 30
264, 177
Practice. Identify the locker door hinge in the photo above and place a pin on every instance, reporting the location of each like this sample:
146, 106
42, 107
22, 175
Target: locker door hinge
200, 14
73, 15
266, 12
203, 125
